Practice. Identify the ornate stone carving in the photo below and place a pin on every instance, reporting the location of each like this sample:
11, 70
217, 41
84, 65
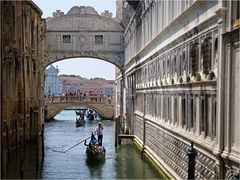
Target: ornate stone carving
58, 13
173, 152
106, 14
86, 10
81, 25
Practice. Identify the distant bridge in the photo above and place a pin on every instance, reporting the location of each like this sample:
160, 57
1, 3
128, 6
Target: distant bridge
101, 104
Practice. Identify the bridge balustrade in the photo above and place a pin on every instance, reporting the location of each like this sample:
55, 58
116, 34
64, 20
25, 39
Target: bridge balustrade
78, 98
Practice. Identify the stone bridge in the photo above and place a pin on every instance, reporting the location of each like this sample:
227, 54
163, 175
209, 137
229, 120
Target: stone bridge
82, 32
103, 105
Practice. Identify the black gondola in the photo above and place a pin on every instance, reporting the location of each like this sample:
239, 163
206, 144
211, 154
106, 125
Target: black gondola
79, 121
94, 151
90, 116
78, 113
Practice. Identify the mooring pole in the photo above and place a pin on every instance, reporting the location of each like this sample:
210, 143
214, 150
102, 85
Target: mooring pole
191, 153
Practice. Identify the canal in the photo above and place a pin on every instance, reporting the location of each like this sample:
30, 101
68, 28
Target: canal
122, 162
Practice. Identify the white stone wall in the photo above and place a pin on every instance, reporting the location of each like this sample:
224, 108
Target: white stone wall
186, 83
52, 82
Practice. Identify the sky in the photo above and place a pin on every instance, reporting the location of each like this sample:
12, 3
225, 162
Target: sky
85, 67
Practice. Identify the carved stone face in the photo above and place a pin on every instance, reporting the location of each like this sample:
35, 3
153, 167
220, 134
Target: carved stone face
82, 39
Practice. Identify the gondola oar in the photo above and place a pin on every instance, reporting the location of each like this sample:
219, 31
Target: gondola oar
71, 147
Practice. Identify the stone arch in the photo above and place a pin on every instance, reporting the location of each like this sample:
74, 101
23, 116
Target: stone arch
106, 111
102, 58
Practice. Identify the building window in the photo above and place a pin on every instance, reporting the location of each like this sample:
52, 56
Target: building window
98, 39
207, 54
66, 38
183, 112
236, 14
194, 58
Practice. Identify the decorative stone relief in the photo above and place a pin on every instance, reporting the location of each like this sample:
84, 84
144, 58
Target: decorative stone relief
83, 42
173, 152
106, 14
58, 13
138, 127
82, 10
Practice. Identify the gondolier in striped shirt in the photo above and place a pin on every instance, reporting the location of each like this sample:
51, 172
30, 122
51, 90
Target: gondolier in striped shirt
99, 132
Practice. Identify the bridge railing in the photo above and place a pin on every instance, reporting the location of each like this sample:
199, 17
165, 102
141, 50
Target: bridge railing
78, 98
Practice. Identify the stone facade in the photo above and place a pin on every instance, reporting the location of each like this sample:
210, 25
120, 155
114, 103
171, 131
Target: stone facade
182, 85
22, 32
52, 85
83, 86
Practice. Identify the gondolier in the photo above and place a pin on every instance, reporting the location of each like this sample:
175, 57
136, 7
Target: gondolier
99, 132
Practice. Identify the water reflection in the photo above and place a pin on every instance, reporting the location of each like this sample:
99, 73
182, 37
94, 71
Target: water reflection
22, 162
95, 168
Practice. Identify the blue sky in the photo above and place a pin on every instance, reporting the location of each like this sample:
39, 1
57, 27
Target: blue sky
85, 67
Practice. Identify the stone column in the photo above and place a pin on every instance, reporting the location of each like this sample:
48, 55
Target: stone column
180, 111
220, 85
226, 124
209, 119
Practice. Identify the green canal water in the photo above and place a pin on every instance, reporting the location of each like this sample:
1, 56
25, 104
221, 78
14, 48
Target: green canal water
122, 162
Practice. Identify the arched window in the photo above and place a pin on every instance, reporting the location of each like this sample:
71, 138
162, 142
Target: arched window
163, 67
207, 54
168, 65
215, 51
175, 64
184, 60
194, 58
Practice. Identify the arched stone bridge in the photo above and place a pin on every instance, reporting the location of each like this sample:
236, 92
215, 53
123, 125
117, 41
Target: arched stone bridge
82, 32
103, 105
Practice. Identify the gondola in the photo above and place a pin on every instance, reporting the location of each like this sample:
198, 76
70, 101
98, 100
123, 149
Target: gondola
78, 113
94, 151
79, 121
90, 116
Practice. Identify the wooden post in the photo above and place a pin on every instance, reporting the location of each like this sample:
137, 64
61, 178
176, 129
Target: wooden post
16, 133
21, 169
7, 139
116, 132
117, 123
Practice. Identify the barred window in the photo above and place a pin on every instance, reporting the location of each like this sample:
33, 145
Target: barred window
66, 38
207, 54
194, 58
98, 39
